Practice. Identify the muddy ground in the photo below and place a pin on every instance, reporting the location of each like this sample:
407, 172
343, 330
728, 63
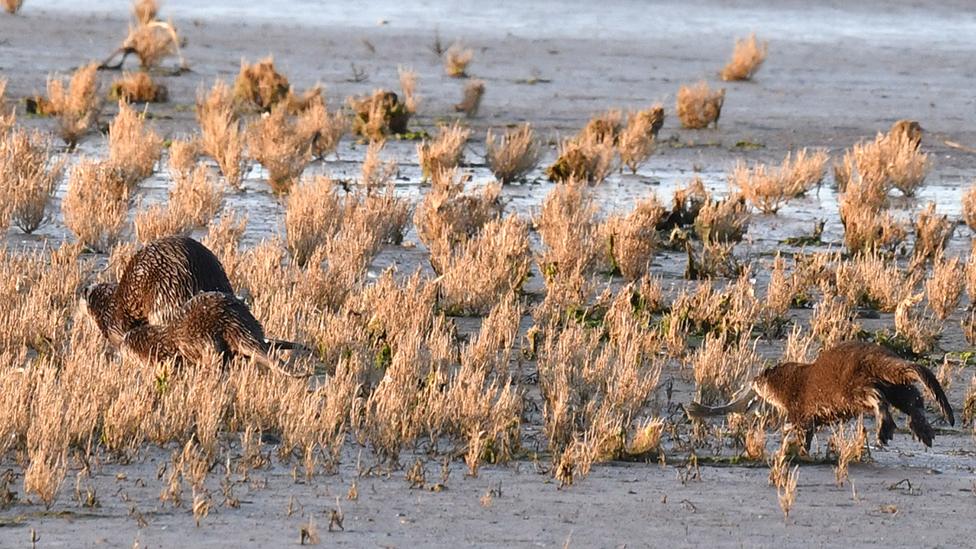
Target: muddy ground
834, 76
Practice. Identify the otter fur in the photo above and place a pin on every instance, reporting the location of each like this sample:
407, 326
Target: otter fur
154, 285
845, 381
910, 129
210, 323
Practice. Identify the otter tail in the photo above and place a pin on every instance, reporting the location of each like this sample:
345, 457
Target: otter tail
909, 372
740, 405
932, 384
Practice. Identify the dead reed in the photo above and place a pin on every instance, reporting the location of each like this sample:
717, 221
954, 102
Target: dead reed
12, 6
95, 204
514, 155
221, 135
932, 234
944, 288
313, 214
699, 106
138, 87
76, 104
892, 160
443, 153
133, 148
583, 160
323, 129
722, 221
275, 141
768, 189
471, 99
260, 86
456, 60
969, 206
636, 141
29, 175
747, 57
631, 239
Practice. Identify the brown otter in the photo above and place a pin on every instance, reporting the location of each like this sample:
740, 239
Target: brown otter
911, 129
155, 284
211, 323
849, 379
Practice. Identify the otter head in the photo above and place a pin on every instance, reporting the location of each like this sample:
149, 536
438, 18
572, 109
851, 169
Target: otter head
100, 302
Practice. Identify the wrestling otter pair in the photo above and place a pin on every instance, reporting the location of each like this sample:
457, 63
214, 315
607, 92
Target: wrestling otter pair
845, 381
174, 300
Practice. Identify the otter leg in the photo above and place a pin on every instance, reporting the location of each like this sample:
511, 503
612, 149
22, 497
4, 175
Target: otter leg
886, 423
809, 430
909, 400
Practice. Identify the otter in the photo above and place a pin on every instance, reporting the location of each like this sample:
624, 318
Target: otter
911, 129
849, 379
210, 323
155, 284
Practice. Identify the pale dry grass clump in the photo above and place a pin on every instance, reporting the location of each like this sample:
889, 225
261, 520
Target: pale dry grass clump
133, 148
183, 156
76, 104
849, 446
221, 135
636, 141
919, 329
471, 99
193, 201
313, 214
570, 233
323, 129
383, 112
443, 153
944, 288
145, 11
867, 226
833, 320
632, 239
260, 86
448, 216
747, 57
699, 106
721, 367
932, 234
456, 60
513, 155
595, 394
12, 6
29, 177
487, 268
138, 87
722, 221
275, 141
768, 189
969, 206
874, 281
589, 161
95, 204
892, 160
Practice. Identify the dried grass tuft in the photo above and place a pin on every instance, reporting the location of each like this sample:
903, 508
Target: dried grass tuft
138, 87
699, 106
313, 215
636, 141
456, 60
145, 11
513, 155
445, 152
260, 86
379, 115
583, 160
221, 135
932, 234
133, 148
12, 6
29, 177
892, 160
321, 128
631, 240
768, 189
275, 141
471, 100
944, 288
747, 57
95, 204
76, 104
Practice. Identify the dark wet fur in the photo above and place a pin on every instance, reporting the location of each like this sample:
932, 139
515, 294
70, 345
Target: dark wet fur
155, 284
209, 323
